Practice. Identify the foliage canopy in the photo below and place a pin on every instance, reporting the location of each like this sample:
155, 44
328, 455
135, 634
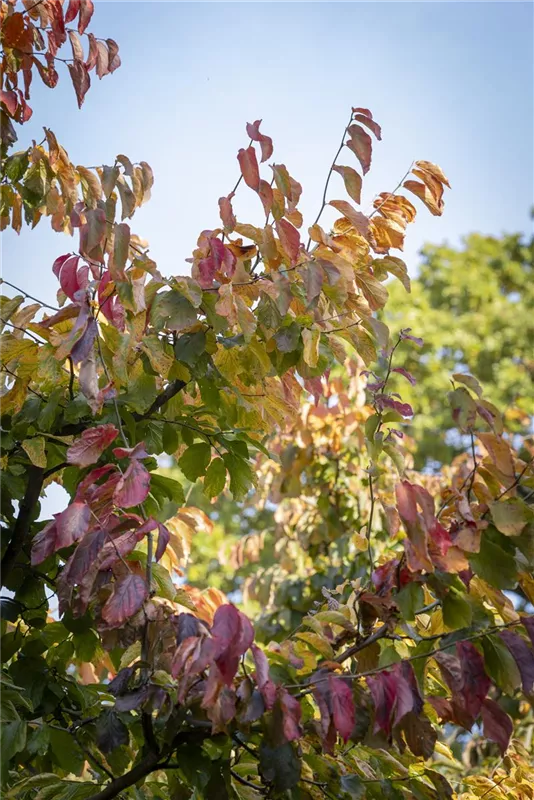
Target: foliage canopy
255, 371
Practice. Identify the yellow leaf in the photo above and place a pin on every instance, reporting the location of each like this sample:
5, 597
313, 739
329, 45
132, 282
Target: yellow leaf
35, 450
311, 340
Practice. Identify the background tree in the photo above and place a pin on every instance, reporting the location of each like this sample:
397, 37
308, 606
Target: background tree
120, 680
474, 308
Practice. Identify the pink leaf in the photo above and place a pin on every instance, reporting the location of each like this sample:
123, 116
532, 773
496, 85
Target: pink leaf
498, 726
86, 12
128, 596
386, 401
291, 715
266, 143
72, 10
290, 239
227, 213
266, 196
91, 444
405, 334
66, 528
163, 540
68, 279
265, 684
406, 501
84, 556
409, 377
342, 706
134, 486
232, 635
131, 452
9, 99
249, 167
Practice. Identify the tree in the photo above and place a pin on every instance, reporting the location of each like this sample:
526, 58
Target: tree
474, 309
138, 681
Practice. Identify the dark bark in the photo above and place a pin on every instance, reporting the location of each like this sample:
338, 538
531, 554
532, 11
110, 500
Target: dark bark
19, 536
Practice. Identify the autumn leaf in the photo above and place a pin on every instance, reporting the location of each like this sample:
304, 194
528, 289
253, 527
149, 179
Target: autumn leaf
266, 143
249, 167
361, 145
134, 486
353, 181
91, 444
127, 597
80, 80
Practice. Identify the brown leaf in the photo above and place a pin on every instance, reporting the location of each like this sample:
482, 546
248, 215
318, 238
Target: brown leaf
80, 80
358, 220
128, 596
361, 145
352, 180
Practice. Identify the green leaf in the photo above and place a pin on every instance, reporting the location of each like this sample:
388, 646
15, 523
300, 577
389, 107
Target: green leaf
166, 488
241, 475
35, 450
66, 752
86, 645
16, 165
194, 461
457, 610
352, 786
173, 311
500, 664
509, 516
215, 478
170, 439
495, 562
287, 339
13, 741
409, 599
280, 766
190, 346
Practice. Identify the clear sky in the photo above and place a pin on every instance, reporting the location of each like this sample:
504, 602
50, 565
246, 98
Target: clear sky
450, 82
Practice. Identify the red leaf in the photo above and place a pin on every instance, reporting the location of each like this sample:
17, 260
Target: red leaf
528, 623
9, 99
342, 706
266, 196
498, 726
409, 377
361, 145
395, 694
265, 684
131, 452
405, 334
75, 43
128, 596
352, 181
92, 55
232, 635
91, 444
249, 167
86, 12
80, 80
386, 401
290, 239
475, 682
291, 714
67, 275
406, 501
227, 213
72, 10
134, 486
84, 556
523, 657
370, 123
266, 143
163, 540
67, 527
57, 22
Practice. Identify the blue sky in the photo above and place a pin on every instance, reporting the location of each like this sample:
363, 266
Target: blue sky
449, 82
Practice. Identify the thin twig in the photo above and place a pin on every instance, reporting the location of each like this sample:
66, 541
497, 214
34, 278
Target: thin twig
340, 148
29, 296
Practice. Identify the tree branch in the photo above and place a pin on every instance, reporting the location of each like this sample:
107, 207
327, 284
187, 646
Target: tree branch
145, 767
23, 521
